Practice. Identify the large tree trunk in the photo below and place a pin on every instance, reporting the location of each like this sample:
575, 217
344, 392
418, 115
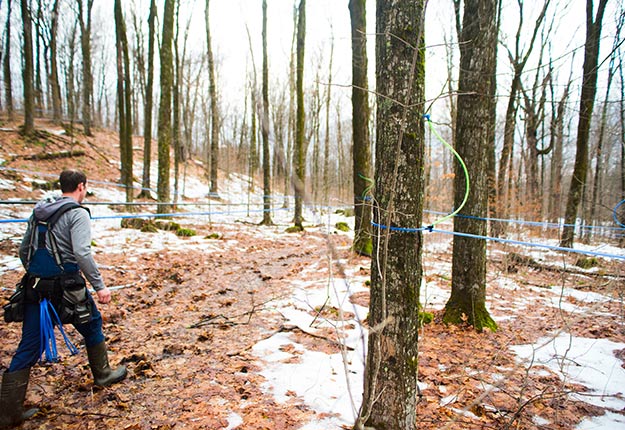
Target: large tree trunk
589, 89
477, 68
299, 154
360, 123
27, 72
265, 128
212, 89
149, 101
164, 111
87, 76
124, 90
390, 388
6, 66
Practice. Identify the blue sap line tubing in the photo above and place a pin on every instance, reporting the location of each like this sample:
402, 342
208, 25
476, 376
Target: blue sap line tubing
496, 239
616, 220
174, 214
531, 223
97, 203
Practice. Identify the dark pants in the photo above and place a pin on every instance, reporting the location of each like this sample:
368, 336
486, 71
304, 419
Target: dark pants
30, 348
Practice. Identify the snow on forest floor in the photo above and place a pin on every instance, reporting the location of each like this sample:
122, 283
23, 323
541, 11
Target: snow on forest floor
263, 329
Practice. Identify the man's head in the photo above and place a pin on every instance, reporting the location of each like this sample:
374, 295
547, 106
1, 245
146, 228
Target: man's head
74, 182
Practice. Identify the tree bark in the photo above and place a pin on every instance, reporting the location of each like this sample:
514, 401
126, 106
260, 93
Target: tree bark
6, 66
360, 129
38, 55
57, 108
390, 388
589, 90
212, 89
149, 102
299, 155
27, 72
164, 111
84, 18
124, 90
265, 128
176, 88
478, 42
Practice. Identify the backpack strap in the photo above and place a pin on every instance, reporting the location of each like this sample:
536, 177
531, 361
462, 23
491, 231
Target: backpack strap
41, 230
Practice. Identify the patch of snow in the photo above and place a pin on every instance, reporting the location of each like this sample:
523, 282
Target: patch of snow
608, 421
234, 420
433, 296
581, 296
448, 400
589, 362
320, 379
539, 421
6, 185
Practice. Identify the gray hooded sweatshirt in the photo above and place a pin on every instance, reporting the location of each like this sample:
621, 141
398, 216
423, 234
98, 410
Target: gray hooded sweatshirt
73, 235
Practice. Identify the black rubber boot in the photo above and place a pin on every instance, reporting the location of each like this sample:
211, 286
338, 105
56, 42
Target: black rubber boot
12, 395
103, 375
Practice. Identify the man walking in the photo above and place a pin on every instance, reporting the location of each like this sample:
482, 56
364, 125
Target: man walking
56, 253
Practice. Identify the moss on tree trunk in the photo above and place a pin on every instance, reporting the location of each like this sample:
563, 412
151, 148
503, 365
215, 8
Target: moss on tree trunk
478, 317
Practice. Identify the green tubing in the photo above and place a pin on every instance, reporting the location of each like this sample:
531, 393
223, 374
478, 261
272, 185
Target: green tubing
464, 168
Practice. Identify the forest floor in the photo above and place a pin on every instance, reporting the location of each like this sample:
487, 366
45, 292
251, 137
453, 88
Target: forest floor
248, 327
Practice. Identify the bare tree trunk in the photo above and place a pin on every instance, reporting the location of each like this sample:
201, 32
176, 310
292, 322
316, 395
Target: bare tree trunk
622, 142
265, 128
314, 121
84, 18
27, 72
299, 155
597, 183
589, 90
534, 108
292, 121
70, 78
6, 65
149, 101
212, 89
164, 112
390, 381
57, 108
326, 146
38, 55
558, 111
124, 89
478, 40
177, 82
361, 173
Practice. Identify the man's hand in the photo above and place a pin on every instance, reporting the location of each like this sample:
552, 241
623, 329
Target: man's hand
104, 295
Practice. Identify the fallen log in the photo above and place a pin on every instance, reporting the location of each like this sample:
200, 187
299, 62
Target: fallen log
55, 155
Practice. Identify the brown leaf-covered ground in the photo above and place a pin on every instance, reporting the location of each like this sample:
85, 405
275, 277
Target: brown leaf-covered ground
190, 312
